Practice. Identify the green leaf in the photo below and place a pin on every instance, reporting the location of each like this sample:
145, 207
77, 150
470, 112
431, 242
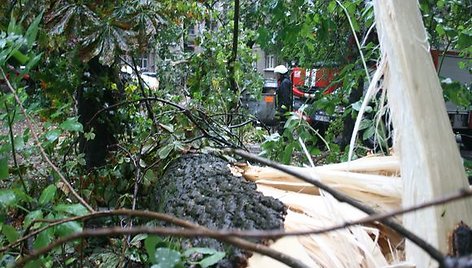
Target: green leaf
205, 251
212, 259
150, 245
215, 256
32, 31
33, 215
53, 135
138, 238
68, 228
19, 56
32, 63
365, 123
166, 257
10, 232
7, 261
331, 6
48, 194
169, 128
440, 30
43, 239
71, 124
287, 154
370, 132
34, 264
70, 261
7, 197
149, 177
74, 209
165, 151
3, 167
356, 106
19, 143
12, 26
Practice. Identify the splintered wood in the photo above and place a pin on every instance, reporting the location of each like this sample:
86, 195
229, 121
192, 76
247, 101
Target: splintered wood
431, 165
371, 180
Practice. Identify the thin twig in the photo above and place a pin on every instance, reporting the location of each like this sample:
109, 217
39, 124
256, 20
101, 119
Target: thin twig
357, 40
146, 103
41, 149
182, 109
241, 124
341, 197
443, 56
210, 121
13, 149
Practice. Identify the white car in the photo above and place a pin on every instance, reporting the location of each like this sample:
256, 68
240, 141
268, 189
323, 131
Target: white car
150, 80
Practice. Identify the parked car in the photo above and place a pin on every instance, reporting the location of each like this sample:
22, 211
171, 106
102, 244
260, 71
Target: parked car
150, 80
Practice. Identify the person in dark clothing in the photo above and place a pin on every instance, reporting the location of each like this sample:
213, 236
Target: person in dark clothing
284, 94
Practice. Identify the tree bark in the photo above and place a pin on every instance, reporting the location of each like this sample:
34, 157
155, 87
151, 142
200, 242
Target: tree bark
234, 52
92, 96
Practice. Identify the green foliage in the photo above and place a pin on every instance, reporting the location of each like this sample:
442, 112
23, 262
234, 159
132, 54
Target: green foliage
210, 256
449, 25
457, 93
4, 167
165, 257
195, 109
163, 253
47, 195
282, 148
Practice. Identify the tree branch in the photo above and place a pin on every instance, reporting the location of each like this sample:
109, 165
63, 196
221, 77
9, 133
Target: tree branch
227, 234
141, 87
193, 230
184, 110
464, 193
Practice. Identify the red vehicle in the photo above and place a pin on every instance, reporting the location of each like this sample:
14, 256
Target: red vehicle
314, 79
307, 82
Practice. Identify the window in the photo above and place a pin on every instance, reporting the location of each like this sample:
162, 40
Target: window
191, 31
269, 61
143, 63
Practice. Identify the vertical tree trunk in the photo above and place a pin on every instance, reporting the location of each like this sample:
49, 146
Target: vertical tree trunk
430, 162
232, 62
234, 52
93, 95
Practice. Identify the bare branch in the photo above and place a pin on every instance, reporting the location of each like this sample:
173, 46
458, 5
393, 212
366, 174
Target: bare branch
193, 230
234, 51
231, 234
464, 193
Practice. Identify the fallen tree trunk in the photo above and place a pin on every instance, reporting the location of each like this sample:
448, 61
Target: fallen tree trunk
201, 189
430, 162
